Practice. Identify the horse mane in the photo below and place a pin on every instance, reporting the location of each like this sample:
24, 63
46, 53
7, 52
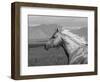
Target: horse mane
76, 38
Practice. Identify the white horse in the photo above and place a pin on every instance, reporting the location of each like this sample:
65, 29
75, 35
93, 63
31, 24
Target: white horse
74, 46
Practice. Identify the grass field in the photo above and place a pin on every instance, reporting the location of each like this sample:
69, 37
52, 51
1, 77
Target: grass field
38, 56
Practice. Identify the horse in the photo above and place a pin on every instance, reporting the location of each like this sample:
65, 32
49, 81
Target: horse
75, 47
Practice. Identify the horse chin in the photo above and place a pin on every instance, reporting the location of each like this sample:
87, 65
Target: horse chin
47, 47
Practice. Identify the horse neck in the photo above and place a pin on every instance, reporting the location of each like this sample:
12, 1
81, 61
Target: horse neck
69, 50
71, 41
70, 45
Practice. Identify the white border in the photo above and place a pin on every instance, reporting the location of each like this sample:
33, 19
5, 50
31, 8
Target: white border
37, 70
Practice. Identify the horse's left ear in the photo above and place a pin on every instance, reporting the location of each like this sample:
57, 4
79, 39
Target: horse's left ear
57, 29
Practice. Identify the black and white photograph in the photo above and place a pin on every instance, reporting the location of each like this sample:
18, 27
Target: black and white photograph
50, 40
57, 40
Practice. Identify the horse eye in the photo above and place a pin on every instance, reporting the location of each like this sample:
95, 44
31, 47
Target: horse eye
53, 36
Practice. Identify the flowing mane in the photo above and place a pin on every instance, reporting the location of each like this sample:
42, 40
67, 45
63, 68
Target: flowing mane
79, 40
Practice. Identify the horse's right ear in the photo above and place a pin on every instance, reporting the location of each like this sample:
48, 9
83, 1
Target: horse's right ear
59, 29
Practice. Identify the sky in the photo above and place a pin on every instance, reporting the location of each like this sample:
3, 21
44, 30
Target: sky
65, 21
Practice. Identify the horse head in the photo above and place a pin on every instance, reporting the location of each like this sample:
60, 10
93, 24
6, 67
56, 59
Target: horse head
54, 41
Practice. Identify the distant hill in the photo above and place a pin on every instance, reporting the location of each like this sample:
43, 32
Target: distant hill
45, 31
41, 32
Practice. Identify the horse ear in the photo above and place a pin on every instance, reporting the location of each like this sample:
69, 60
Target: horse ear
59, 29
